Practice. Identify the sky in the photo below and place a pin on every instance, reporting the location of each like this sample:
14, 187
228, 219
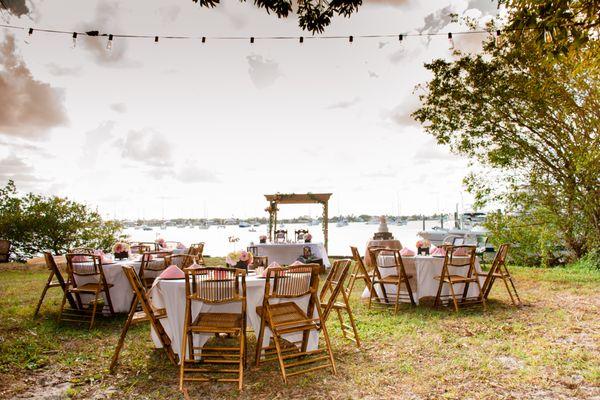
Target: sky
180, 128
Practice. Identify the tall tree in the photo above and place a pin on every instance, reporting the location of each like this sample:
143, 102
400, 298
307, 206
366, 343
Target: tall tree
535, 121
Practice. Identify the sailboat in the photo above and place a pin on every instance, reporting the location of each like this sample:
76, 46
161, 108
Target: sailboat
204, 224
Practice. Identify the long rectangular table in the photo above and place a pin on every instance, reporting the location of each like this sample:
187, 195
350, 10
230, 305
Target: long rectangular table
287, 253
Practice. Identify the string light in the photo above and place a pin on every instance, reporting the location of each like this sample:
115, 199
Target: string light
29, 35
498, 39
547, 35
109, 43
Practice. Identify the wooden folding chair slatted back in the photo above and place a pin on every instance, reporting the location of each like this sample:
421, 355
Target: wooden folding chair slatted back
500, 270
152, 263
280, 236
54, 272
334, 288
462, 261
214, 286
87, 267
285, 289
390, 275
141, 248
196, 250
359, 271
148, 314
260, 261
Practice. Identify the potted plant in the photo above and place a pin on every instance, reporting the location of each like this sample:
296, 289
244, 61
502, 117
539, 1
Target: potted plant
262, 239
239, 259
121, 250
307, 238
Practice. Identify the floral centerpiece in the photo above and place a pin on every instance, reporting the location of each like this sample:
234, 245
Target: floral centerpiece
162, 243
239, 259
307, 238
262, 238
121, 250
423, 246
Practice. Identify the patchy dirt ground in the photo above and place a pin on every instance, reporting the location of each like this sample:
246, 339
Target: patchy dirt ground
548, 349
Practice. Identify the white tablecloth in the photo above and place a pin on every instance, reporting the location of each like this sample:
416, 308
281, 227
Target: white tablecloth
170, 294
287, 253
424, 269
121, 293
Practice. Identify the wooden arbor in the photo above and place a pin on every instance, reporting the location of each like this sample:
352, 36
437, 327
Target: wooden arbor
307, 198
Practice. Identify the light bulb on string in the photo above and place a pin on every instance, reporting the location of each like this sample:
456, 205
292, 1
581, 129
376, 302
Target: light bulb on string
109, 43
451, 41
155, 39
498, 39
351, 39
301, 39
74, 40
400, 38
27, 39
203, 39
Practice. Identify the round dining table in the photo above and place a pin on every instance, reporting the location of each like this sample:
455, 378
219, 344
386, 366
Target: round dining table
423, 270
170, 294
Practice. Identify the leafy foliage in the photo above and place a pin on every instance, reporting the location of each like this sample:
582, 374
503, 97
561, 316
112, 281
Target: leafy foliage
533, 120
35, 223
555, 25
313, 16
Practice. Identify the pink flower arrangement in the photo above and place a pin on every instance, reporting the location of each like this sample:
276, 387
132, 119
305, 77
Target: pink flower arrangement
263, 237
308, 237
120, 247
161, 242
424, 243
234, 257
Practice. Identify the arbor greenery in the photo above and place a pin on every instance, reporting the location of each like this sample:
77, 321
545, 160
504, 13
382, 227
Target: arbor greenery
35, 223
534, 122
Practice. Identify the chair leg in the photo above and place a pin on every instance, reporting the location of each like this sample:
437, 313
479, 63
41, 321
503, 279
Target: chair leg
437, 301
453, 296
124, 331
279, 357
351, 318
481, 297
182, 357
520, 303
512, 299
397, 303
39, 304
242, 361
327, 341
62, 306
94, 310
259, 340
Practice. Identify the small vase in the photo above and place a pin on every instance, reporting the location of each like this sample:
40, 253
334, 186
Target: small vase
306, 240
263, 240
121, 255
242, 265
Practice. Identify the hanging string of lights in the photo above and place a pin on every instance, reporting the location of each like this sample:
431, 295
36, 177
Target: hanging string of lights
252, 39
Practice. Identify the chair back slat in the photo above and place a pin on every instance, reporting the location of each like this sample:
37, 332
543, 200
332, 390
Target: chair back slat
292, 282
215, 284
459, 256
53, 268
499, 261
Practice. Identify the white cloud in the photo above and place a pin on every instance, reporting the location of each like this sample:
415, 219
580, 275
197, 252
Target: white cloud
147, 147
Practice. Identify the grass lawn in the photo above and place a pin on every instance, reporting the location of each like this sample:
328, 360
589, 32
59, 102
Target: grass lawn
550, 348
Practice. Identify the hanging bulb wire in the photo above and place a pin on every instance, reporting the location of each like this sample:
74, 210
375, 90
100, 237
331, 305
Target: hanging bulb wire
547, 37
109, 43
74, 40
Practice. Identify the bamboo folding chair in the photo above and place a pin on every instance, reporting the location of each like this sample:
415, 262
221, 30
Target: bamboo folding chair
51, 283
287, 284
214, 286
253, 250
83, 266
359, 271
153, 262
260, 261
148, 314
331, 290
197, 250
141, 248
459, 258
499, 270
396, 278
193, 254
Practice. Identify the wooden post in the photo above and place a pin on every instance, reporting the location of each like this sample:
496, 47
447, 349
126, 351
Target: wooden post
325, 226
